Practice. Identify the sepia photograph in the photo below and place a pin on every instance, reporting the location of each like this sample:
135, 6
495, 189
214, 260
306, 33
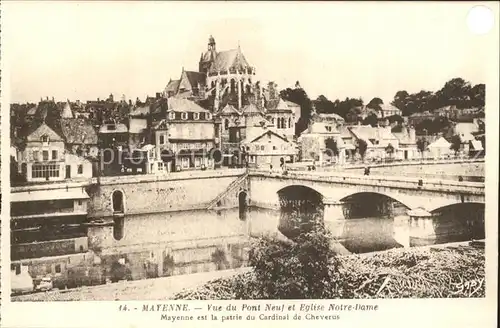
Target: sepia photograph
177, 151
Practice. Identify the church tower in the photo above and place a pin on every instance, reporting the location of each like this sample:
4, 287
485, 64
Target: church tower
208, 57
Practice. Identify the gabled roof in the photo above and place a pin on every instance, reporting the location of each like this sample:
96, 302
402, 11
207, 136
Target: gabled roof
440, 143
278, 105
172, 86
230, 59
320, 127
367, 132
255, 133
184, 105
42, 130
78, 131
190, 80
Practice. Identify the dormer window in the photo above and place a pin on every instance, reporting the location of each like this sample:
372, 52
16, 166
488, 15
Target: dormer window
196, 116
184, 115
45, 140
171, 115
208, 116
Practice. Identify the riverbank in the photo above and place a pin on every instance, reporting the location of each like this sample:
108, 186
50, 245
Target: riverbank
429, 272
452, 270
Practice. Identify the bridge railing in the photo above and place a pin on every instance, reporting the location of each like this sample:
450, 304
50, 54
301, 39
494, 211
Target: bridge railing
380, 181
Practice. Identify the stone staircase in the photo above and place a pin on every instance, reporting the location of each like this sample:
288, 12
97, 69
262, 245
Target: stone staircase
231, 188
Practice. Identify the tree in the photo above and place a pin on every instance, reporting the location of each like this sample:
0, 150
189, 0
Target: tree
476, 95
362, 147
401, 101
375, 103
422, 144
371, 120
300, 97
331, 145
389, 150
456, 144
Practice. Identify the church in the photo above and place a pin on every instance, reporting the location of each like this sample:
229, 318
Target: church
226, 85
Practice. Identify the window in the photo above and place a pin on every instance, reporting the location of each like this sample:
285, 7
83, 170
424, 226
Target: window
58, 268
262, 147
197, 162
45, 154
54, 155
36, 155
80, 169
44, 171
208, 116
160, 166
226, 124
45, 139
171, 115
196, 116
328, 128
289, 122
274, 148
185, 163
184, 116
162, 139
257, 147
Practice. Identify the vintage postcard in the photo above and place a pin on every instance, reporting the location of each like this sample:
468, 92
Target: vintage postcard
237, 163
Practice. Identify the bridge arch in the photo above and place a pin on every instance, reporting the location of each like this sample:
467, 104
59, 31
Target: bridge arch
372, 204
300, 207
459, 222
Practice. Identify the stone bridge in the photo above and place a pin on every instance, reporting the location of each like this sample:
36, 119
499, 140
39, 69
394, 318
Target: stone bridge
426, 194
420, 203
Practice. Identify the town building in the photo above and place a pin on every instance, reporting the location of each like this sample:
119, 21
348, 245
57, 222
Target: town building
377, 139
315, 140
265, 147
187, 133
440, 148
139, 127
407, 144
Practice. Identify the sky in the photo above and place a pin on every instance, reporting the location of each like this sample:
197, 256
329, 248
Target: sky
73, 50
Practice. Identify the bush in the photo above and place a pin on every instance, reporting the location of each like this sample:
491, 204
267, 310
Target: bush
305, 268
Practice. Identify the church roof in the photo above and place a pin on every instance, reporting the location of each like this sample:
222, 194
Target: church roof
230, 59
251, 109
229, 109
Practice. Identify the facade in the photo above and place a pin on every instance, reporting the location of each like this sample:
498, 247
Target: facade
42, 158
439, 148
187, 134
377, 140
407, 144
265, 147
138, 130
313, 143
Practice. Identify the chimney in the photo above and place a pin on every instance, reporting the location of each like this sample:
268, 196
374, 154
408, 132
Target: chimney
158, 95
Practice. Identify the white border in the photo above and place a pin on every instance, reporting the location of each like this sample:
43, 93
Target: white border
392, 313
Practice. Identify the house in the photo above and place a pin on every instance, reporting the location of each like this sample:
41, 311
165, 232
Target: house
387, 110
407, 144
187, 133
139, 125
112, 135
314, 141
377, 139
265, 147
439, 148
42, 157
45, 157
